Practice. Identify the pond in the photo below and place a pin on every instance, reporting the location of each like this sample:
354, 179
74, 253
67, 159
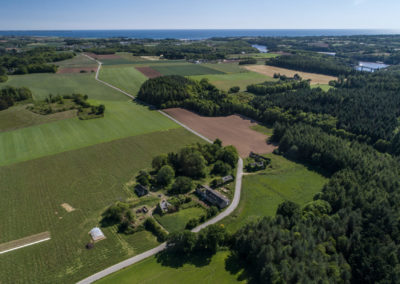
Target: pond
261, 48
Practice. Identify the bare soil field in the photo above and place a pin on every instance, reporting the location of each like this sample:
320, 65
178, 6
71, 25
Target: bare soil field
67, 207
103, 56
76, 70
232, 130
149, 72
271, 70
24, 241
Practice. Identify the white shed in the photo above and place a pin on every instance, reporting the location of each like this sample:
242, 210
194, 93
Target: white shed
97, 234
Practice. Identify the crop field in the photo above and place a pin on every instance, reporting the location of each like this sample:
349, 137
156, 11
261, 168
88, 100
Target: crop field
232, 130
254, 55
151, 271
18, 117
184, 70
271, 70
177, 221
126, 78
88, 179
242, 80
227, 68
123, 118
76, 62
264, 191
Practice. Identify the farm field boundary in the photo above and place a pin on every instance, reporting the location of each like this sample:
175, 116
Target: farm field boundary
24, 242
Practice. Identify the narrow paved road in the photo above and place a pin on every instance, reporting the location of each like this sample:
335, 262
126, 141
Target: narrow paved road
154, 251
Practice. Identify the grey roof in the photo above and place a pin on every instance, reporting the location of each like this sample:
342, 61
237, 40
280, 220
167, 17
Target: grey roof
96, 234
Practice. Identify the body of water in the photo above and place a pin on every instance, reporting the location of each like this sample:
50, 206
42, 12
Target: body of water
190, 34
261, 48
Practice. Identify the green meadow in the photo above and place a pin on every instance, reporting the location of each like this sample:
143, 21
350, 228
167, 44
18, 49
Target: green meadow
264, 191
184, 70
127, 78
177, 221
226, 81
151, 271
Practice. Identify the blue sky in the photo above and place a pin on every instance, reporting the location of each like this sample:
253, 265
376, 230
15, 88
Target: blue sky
199, 14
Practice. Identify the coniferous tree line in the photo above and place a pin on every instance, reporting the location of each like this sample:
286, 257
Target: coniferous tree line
314, 64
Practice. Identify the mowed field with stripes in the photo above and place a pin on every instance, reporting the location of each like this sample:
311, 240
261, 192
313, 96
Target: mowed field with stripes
86, 164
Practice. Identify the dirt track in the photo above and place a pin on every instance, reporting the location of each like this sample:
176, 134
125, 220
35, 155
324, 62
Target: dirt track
271, 70
232, 130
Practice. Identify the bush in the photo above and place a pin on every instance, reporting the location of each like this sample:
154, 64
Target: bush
143, 178
192, 223
165, 175
159, 161
152, 226
221, 168
234, 89
182, 185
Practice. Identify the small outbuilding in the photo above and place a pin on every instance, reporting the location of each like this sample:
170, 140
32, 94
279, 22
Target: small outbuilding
227, 179
97, 234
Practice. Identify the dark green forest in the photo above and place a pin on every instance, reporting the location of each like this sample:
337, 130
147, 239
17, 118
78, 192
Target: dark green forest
350, 232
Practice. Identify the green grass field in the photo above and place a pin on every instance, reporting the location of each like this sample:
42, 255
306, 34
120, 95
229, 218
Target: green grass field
78, 61
226, 81
264, 191
89, 179
227, 68
123, 118
151, 271
177, 221
184, 70
126, 78
254, 55
263, 129
18, 117
324, 87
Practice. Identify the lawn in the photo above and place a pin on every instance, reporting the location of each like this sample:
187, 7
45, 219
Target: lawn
184, 69
226, 81
89, 179
177, 221
264, 191
123, 118
151, 271
126, 78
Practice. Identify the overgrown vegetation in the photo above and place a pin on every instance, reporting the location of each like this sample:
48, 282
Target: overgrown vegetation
10, 95
53, 104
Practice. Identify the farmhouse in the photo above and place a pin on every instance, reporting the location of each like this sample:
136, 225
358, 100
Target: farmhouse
141, 190
212, 196
97, 234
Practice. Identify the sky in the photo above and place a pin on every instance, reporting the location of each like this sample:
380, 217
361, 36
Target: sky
199, 14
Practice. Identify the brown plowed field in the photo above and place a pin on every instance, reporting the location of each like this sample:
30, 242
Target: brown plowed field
149, 72
76, 70
232, 130
103, 56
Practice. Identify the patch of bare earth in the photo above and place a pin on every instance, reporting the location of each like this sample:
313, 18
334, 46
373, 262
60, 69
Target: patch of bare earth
151, 58
232, 130
271, 70
149, 72
67, 207
24, 241
68, 70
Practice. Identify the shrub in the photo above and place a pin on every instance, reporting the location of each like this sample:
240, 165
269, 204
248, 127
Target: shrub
234, 89
152, 226
165, 175
182, 185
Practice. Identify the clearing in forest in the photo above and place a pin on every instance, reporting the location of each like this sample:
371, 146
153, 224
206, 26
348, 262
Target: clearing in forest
271, 70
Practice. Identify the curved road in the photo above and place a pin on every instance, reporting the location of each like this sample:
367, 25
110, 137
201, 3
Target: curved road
146, 254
